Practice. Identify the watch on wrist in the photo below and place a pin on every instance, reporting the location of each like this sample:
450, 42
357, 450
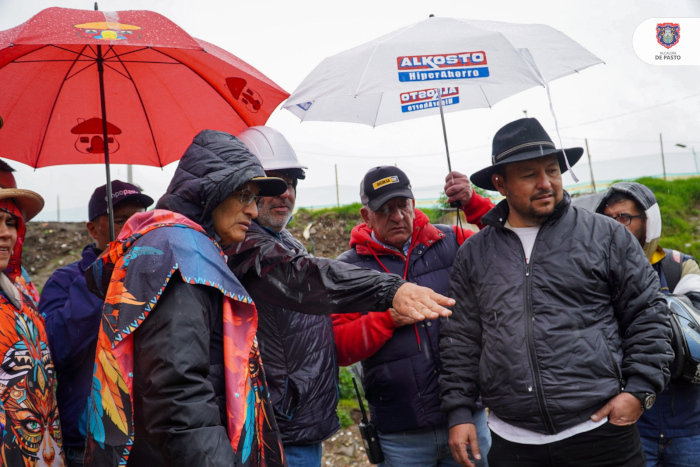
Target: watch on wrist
647, 399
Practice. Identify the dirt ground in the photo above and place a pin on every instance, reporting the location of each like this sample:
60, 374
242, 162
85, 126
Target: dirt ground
344, 449
50, 245
329, 233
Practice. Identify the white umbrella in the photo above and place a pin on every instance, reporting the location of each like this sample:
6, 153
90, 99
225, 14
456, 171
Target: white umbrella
401, 75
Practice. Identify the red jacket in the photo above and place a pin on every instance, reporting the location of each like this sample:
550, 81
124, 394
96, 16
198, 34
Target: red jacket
359, 336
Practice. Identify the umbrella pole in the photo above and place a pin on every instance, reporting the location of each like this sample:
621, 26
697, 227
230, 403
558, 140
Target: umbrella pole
444, 131
453, 204
100, 72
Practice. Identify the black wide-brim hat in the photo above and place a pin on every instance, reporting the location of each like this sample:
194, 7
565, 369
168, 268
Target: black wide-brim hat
522, 140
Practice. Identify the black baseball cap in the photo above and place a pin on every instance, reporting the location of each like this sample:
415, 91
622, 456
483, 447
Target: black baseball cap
383, 183
121, 191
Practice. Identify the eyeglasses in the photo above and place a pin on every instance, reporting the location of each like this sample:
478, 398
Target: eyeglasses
245, 196
626, 219
288, 180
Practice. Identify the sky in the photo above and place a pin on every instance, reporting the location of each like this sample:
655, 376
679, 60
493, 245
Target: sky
621, 107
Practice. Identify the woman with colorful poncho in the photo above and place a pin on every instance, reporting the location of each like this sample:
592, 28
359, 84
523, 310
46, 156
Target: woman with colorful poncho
178, 379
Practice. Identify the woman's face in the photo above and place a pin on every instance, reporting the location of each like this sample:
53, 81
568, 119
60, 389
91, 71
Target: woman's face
232, 217
8, 237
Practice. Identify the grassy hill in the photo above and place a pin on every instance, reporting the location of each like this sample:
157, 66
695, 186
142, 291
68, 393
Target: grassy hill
679, 201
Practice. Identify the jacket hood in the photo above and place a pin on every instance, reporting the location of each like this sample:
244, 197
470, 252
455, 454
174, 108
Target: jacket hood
215, 164
645, 197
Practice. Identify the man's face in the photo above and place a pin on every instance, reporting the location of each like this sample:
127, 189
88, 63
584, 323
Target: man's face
392, 224
638, 225
274, 211
99, 228
533, 189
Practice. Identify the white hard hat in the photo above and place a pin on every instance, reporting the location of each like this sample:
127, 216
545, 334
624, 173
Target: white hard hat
271, 148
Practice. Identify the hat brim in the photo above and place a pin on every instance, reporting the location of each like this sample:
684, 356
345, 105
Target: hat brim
482, 178
379, 201
270, 186
29, 203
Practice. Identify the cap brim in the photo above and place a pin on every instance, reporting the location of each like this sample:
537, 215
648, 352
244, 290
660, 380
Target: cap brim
482, 178
140, 198
29, 203
270, 186
378, 202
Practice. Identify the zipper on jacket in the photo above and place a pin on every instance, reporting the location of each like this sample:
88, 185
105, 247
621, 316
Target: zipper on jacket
539, 392
406, 258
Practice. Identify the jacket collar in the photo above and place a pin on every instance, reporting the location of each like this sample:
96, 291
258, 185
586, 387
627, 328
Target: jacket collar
89, 256
424, 232
497, 216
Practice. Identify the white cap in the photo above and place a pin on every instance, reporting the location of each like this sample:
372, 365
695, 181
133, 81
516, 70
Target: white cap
271, 148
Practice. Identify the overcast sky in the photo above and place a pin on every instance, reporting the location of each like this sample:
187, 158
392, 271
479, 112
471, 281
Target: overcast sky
621, 107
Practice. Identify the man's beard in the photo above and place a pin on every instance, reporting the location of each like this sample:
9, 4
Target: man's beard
276, 222
528, 212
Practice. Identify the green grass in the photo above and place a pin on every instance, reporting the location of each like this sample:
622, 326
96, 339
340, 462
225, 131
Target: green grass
345, 212
348, 397
679, 201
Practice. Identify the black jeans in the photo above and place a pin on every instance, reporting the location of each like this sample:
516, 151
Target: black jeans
607, 445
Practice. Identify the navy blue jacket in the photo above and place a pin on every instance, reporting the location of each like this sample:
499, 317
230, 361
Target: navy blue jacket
72, 316
401, 378
676, 412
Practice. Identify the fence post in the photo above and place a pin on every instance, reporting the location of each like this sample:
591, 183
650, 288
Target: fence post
337, 190
663, 161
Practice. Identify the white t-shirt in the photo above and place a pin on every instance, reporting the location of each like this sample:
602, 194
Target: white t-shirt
527, 237
514, 434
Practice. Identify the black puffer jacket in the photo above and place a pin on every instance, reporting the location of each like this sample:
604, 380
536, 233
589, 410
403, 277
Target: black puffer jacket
298, 351
301, 350
550, 343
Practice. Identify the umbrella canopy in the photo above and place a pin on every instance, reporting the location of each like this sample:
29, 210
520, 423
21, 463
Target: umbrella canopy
161, 86
400, 75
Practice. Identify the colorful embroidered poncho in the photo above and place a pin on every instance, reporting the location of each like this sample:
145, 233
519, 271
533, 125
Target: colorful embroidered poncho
165, 242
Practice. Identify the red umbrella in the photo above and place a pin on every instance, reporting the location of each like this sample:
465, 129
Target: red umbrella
127, 87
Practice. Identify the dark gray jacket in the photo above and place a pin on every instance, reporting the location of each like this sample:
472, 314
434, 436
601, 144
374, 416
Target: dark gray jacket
549, 343
298, 351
